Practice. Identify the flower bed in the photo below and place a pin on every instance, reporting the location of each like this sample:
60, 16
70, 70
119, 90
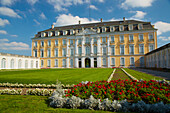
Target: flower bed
40, 92
148, 91
10, 91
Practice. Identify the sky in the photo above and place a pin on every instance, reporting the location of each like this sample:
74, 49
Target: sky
20, 20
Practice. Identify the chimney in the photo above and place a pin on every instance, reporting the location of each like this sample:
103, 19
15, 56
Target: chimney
101, 20
79, 21
124, 19
52, 26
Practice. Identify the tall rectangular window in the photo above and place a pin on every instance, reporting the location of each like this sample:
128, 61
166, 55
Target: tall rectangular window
132, 61
130, 38
35, 53
64, 62
87, 40
49, 53
71, 62
131, 27
95, 41
104, 61
87, 50
121, 27
95, 50
121, 38
112, 50
56, 42
64, 41
122, 61
56, 52
131, 49
122, 49
71, 42
42, 53
113, 61
42, 63
151, 47
79, 42
42, 43
64, 52
35, 44
49, 42
104, 50
72, 52
150, 36
49, 63
104, 40
141, 37
112, 38
79, 50
56, 62
141, 49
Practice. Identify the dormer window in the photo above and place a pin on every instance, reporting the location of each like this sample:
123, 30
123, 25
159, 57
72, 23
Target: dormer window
131, 27
71, 32
60, 32
56, 33
121, 27
52, 33
112, 28
46, 34
68, 32
64, 32
140, 26
103, 29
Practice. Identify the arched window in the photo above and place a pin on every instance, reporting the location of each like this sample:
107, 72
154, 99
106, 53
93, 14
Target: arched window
12, 64
32, 63
3, 63
19, 63
26, 63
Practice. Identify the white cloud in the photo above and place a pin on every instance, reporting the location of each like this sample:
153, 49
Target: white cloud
14, 35
162, 27
6, 45
3, 32
32, 2
3, 22
70, 19
7, 2
101, 0
138, 15
93, 7
8, 12
136, 3
36, 21
42, 15
164, 38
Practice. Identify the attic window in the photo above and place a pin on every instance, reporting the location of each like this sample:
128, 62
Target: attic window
131, 27
140, 26
52, 33
121, 27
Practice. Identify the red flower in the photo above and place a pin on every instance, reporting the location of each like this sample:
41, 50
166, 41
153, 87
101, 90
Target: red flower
85, 92
105, 92
120, 93
72, 91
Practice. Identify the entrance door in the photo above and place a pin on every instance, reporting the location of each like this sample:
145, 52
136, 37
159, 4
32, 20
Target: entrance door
95, 62
87, 63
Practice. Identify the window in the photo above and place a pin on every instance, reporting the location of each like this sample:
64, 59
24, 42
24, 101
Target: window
32, 63
112, 38
26, 64
87, 40
121, 27
130, 27
42, 63
111, 28
19, 63
35, 44
71, 42
103, 29
141, 49
122, 61
49, 42
87, 50
49, 63
140, 26
42, 53
104, 61
122, 49
130, 38
56, 42
64, 32
95, 50
42, 43
141, 37
131, 49
64, 63
79, 42
56, 62
12, 64
104, 50
95, 41
35, 53
112, 50
113, 61
64, 52
71, 32
104, 40
64, 41
49, 53
72, 52
121, 38
132, 61
52, 33
3, 63
71, 62
150, 37
56, 52
151, 47
79, 50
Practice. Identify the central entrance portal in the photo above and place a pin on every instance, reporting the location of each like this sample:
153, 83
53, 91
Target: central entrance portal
87, 62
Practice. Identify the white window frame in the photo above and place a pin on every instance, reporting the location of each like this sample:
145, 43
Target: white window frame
113, 50
35, 44
140, 51
42, 63
56, 62
132, 63
150, 38
64, 52
120, 38
49, 43
104, 61
113, 61
48, 52
71, 52
64, 41
87, 50
140, 37
150, 49
130, 51
103, 39
71, 62
112, 38
42, 43
140, 26
122, 63
103, 29
131, 36
121, 49
121, 28
42, 53
112, 28
130, 26
95, 49
56, 42
63, 62
48, 63
35, 53
56, 52
79, 50
71, 41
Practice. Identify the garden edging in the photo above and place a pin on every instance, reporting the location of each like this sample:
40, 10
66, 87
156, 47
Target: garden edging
129, 74
111, 76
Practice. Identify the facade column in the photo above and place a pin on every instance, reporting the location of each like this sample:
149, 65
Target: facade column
99, 61
83, 62
91, 44
108, 45
108, 61
98, 46
67, 63
92, 62
76, 63
83, 48
67, 54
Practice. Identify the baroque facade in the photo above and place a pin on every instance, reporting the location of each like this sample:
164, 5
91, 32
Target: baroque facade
104, 44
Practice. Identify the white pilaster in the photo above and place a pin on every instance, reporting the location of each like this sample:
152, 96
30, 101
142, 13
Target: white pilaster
67, 63
83, 62
67, 54
108, 61
91, 43
108, 45
76, 63
92, 62
98, 46
98, 61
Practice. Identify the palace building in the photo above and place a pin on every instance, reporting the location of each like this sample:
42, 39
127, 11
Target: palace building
104, 44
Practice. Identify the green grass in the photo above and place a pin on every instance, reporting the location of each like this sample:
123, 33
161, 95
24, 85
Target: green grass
139, 75
49, 76
33, 104
119, 74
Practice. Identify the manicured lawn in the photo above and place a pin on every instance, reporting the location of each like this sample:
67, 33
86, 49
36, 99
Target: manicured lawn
49, 76
119, 74
140, 75
33, 104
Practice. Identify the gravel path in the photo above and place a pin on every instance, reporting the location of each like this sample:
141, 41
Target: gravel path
119, 74
164, 75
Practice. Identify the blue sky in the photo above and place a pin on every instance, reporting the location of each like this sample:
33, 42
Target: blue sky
20, 20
